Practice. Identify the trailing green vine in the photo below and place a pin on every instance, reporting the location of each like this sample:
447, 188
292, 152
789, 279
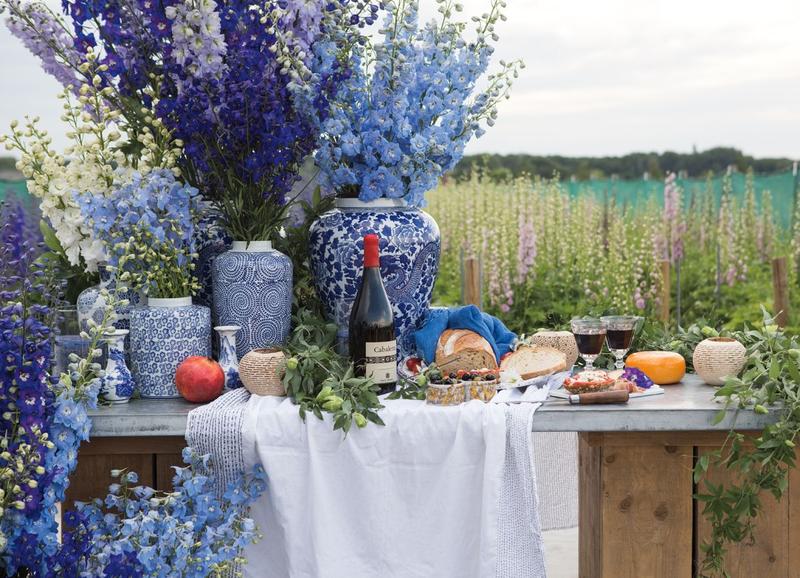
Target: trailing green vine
769, 385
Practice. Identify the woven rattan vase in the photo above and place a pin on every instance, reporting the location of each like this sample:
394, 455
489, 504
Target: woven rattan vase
564, 341
260, 371
717, 358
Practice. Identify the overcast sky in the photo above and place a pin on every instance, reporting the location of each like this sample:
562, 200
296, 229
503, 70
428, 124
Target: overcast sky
603, 77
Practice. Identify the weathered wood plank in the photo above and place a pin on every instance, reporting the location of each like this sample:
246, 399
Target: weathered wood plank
93, 474
590, 528
793, 498
646, 511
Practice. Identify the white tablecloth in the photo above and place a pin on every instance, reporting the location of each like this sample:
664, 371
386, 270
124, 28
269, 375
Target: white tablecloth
437, 492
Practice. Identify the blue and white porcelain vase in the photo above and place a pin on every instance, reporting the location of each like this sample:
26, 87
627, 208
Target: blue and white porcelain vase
409, 247
211, 241
253, 289
117, 381
163, 334
227, 355
92, 303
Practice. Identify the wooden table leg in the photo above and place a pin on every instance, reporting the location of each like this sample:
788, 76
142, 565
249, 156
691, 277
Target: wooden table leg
636, 515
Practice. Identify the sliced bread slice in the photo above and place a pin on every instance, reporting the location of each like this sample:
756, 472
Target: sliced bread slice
533, 361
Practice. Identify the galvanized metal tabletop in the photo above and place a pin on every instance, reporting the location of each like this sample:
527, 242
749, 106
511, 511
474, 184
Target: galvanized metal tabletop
687, 406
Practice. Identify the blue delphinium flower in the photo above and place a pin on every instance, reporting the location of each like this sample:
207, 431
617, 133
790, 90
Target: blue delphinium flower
409, 105
147, 227
191, 532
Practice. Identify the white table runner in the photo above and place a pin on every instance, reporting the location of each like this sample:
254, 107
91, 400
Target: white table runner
437, 492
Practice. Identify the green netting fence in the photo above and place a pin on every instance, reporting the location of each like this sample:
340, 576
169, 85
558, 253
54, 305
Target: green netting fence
782, 189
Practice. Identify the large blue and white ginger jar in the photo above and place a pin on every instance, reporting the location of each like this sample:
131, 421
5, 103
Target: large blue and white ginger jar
163, 334
211, 240
253, 289
409, 249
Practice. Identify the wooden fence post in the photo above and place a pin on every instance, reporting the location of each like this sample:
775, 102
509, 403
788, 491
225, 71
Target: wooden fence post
666, 287
780, 287
471, 285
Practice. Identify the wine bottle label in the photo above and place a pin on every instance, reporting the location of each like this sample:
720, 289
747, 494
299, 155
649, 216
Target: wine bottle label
381, 362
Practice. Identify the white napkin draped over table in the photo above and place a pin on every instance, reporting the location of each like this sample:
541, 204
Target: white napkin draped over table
439, 492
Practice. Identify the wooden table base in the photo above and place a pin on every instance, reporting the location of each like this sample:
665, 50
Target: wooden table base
638, 518
151, 457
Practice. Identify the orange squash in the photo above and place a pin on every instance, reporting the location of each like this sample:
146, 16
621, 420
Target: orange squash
663, 367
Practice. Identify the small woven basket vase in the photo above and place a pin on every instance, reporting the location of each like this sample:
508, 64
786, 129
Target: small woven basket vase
716, 358
260, 371
564, 341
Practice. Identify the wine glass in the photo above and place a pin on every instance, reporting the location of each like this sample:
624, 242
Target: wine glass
619, 334
589, 335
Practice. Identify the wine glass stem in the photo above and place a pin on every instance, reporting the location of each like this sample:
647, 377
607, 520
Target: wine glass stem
590, 362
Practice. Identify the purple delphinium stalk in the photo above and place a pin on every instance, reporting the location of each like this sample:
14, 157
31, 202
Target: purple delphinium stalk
45, 36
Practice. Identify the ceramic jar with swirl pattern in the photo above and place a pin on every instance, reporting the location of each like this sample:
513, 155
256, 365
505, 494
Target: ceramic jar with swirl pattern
409, 247
253, 289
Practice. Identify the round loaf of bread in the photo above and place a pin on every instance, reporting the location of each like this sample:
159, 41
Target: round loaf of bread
465, 350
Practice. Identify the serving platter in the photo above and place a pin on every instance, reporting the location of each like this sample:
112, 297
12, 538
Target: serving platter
654, 390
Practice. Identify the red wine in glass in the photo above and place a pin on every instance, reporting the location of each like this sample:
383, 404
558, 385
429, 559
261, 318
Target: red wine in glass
589, 336
620, 330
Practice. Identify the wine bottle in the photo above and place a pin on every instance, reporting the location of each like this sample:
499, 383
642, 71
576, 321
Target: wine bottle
373, 344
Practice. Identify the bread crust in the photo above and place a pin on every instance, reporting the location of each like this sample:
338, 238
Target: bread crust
464, 349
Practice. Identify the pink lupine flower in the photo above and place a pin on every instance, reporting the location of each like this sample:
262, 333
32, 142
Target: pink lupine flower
526, 249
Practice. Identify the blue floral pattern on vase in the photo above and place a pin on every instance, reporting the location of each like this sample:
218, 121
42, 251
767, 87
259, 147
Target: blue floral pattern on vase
117, 381
211, 241
162, 337
253, 289
409, 247
227, 355
92, 305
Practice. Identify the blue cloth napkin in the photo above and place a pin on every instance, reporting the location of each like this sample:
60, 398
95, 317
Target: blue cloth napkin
468, 317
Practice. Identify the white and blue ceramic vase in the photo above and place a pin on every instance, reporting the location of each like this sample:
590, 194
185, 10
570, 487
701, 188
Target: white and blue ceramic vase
163, 334
92, 303
253, 290
117, 381
409, 248
227, 355
211, 241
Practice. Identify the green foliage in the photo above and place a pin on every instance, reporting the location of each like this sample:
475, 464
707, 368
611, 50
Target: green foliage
591, 256
295, 244
769, 386
320, 380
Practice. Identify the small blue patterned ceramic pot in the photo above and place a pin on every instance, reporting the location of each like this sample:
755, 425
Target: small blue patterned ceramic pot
163, 334
211, 241
92, 305
227, 354
253, 289
409, 247
117, 381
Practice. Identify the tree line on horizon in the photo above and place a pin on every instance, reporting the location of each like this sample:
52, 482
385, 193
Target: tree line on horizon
632, 166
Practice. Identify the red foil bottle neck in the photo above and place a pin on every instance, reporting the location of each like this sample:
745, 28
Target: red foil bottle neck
371, 254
